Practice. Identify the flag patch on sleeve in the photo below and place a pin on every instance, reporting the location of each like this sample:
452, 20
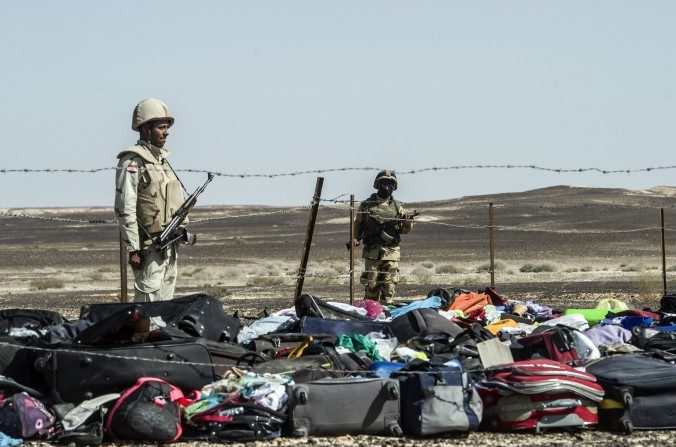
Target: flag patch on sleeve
132, 167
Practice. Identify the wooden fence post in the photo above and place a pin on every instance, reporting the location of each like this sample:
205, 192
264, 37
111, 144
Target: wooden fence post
308, 238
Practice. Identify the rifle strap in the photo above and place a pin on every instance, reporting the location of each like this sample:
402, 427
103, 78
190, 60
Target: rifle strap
177, 177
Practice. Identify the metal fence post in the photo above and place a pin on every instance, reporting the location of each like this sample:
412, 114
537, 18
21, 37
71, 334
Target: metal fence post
491, 240
352, 247
124, 298
664, 254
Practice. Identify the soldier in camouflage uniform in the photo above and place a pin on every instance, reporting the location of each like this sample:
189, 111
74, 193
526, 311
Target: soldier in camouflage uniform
147, 193
380, 222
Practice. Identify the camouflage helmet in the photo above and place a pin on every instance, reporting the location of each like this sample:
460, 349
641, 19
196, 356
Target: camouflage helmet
150, 110
385, 175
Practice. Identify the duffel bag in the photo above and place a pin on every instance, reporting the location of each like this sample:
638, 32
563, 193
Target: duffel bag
437, 399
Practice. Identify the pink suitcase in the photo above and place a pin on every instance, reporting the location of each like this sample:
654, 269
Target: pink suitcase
538, 395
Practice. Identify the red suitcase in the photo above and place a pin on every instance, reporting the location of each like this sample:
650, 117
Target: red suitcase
539, 395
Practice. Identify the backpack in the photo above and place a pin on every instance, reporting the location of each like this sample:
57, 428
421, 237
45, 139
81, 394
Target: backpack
235, 422
148, 411
23, 416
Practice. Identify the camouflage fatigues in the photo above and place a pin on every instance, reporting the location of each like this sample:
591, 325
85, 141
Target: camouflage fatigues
379, 225
147, 194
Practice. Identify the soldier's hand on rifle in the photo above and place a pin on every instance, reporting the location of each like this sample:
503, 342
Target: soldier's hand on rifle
410, 216
356, 244
136, 260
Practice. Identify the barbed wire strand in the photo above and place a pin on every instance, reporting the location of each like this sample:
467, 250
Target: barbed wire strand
458, 202
88, 351
364, 168
295, 210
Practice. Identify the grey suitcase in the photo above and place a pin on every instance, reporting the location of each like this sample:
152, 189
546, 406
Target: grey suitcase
346, 406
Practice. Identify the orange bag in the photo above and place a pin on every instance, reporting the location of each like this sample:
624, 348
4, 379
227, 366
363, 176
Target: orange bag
469, 301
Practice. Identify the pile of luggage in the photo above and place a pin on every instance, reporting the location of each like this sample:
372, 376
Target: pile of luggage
453, 362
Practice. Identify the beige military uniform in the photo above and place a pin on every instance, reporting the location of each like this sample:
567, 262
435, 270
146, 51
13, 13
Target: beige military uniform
379, 225
147, 194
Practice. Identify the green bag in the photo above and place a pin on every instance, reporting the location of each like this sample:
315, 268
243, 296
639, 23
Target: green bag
593, 316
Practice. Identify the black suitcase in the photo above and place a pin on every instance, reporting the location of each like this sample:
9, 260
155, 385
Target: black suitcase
348, 406
124, 326
199, 315
640, 392
77, 373
16, 361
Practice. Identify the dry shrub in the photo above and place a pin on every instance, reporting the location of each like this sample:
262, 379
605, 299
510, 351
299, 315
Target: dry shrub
449, 268
206, 273
539, 267
472, 282
423, 274
47, 283
263, 281
634, 267
427, 264
95, 276
217, 291
500, 266
326, 276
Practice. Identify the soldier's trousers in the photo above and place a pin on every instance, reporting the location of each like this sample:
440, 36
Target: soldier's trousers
380, 278
156, 281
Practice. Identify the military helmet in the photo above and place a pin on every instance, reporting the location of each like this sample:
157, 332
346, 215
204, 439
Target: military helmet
385, 175
149, 110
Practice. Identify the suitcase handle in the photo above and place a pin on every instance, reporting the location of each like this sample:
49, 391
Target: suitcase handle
392, 390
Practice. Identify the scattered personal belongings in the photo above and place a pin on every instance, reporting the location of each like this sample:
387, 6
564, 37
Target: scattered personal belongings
449, 362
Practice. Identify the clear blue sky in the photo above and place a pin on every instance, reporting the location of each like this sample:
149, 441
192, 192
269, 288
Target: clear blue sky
289, 85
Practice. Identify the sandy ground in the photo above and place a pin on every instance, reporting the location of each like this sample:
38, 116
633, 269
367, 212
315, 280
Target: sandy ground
562, 246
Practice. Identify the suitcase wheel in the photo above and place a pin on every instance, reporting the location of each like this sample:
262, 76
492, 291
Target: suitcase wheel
41, 363
627, 426
395, 429
392, 391
301, 396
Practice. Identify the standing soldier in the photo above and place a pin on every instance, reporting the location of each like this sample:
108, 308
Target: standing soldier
380, 222
147, 194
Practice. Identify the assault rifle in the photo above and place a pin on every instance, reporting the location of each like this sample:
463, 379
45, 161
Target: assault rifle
394, 223
173, 231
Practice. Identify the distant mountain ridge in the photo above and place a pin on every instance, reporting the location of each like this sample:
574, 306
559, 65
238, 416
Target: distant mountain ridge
552, 195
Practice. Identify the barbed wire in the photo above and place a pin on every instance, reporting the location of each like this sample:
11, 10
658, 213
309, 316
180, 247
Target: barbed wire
345, 204
299, 209
513, 228
363, 168
88, 351
248, 215
56, 219
113, 220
